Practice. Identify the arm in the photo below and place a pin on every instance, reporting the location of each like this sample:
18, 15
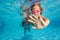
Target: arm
41, 23
37, 26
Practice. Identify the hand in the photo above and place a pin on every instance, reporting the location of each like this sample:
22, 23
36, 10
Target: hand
34, 19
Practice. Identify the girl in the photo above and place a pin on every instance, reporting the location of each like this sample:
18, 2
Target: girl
38, 21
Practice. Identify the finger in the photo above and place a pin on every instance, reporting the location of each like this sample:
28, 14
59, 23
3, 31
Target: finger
38, 15
32, 18
31, 21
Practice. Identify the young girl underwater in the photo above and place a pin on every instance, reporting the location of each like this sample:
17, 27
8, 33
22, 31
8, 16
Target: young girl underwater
39, 21
33, 16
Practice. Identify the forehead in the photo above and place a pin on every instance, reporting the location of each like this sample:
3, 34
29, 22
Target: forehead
36, 7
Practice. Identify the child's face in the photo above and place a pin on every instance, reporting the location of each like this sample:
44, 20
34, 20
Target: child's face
36, 10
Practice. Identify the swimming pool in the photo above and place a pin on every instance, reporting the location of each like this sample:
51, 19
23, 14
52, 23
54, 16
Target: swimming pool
10, 21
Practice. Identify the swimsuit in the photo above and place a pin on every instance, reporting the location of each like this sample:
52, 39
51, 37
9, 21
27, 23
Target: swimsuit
26, 24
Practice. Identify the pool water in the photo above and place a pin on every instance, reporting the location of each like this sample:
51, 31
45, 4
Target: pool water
10, 21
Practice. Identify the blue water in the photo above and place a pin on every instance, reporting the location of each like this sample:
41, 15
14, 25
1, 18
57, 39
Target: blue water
10, 21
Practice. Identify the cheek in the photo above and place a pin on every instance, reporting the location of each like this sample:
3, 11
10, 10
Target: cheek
33, 12
40, 11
